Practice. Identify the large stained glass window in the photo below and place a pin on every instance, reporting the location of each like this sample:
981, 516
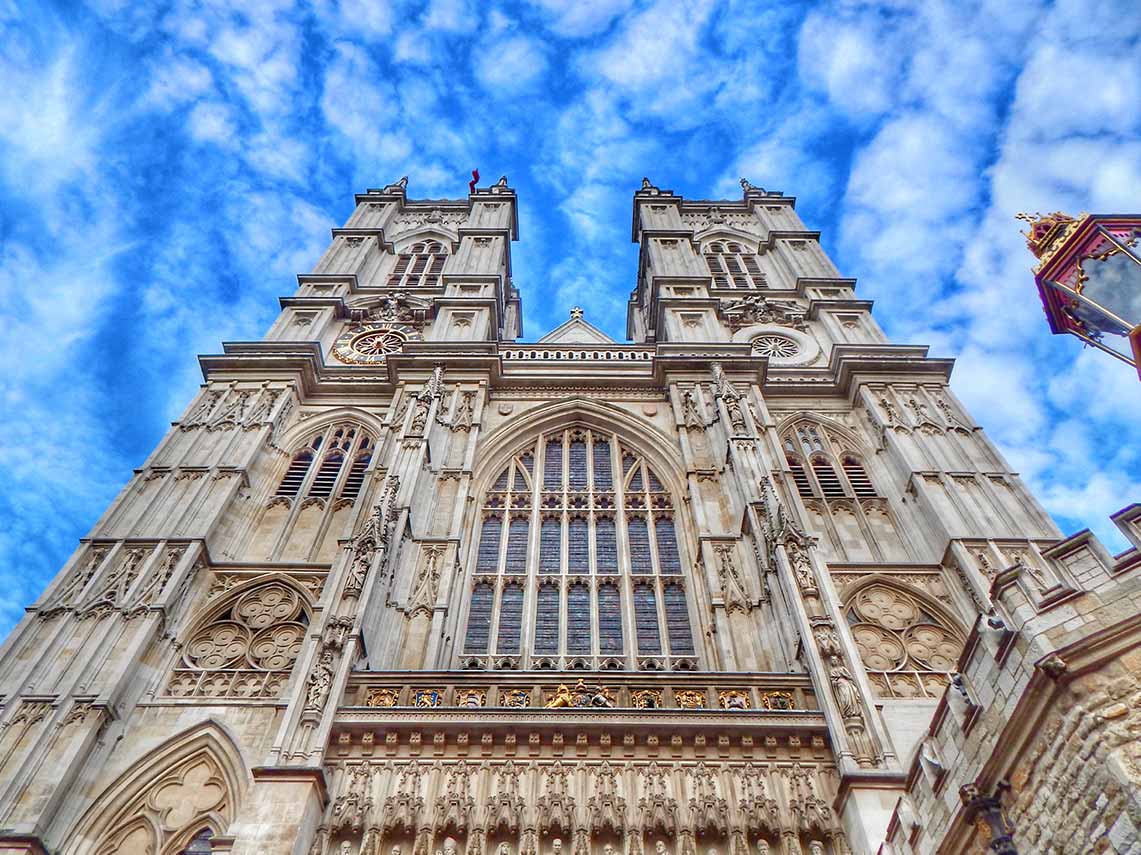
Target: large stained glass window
579, 563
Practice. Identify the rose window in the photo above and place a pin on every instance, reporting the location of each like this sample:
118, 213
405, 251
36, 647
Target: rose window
905, 645
775, 346
378, 343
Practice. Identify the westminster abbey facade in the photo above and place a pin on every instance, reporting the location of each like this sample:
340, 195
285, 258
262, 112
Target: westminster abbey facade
753, 583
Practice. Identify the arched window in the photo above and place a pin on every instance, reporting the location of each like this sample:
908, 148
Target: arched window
907, 647
329, 450
602, 584
733, 265
816, 460
305, 517
420, 266
851, 517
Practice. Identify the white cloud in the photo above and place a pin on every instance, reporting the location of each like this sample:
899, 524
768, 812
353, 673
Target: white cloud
213, 122
176, 80
578, 18
511, 65
847, 60
451, 16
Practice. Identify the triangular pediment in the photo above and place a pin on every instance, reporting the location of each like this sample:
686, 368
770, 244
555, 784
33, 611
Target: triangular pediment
576, 331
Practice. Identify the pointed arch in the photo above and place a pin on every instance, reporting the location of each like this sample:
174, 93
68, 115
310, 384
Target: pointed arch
294, 438
724, 232
432, 232
245, 643
191, 782
499, 447
846, 434
907, 641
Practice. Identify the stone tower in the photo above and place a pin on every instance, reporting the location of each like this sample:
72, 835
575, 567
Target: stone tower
399, 583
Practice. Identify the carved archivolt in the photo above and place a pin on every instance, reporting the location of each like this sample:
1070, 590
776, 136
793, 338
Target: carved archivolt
188, 787
902, 637
247, 646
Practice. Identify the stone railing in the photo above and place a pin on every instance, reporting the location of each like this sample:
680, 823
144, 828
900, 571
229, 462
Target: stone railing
593, 355
577, 689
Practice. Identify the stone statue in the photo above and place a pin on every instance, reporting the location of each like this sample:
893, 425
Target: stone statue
346, 848
503, 849
420, 414
557, 846
763, 847
659, 848
320, 681
690, 414
847, 695
395, 851
607, 849
449, 846
815, 847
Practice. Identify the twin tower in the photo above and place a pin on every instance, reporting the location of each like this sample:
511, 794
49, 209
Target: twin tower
398, 583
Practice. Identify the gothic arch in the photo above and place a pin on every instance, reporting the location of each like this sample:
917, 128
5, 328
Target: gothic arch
845, 433
908, 641
245, 643
451, 239
191, 782
497, 450
292, 439
725, 232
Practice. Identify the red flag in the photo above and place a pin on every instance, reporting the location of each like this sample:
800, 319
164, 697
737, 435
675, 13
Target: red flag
474, 178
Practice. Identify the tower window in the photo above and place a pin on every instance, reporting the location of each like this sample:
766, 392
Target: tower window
732, 265
420, 267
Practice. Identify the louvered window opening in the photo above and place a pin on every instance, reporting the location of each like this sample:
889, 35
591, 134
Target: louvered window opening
858, 478
829, 475
318, 469
420, 267
827, 478
800, 478
352, 486
598, 568
733, 265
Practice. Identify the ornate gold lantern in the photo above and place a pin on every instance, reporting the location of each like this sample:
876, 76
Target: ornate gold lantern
1089, 278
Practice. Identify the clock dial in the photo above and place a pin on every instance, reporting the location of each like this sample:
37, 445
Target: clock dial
369, 344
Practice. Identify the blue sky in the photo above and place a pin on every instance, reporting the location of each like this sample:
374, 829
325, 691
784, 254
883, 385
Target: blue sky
167, 168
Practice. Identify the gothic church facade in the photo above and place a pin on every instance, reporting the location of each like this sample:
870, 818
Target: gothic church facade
397, 582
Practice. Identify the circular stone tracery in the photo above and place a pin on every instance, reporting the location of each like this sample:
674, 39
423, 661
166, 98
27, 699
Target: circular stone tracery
377, 343
775, 346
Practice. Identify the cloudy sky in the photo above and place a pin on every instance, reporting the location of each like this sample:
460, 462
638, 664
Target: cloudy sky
167, 168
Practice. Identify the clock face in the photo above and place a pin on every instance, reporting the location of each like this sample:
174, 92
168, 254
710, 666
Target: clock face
369, 344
